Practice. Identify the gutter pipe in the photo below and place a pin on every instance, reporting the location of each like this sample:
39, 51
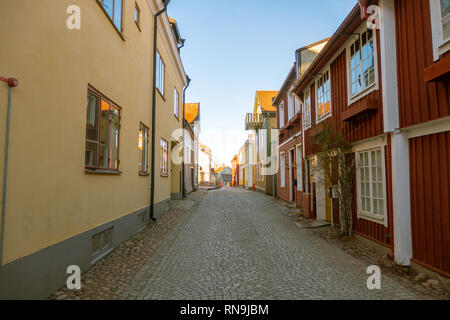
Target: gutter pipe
12, 83
152, 172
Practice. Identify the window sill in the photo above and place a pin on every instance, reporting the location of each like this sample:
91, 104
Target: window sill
438, 70
162, 95
144, 174
164, 175
103, 171
372, 217
359, 108
137, 24
322, 118
362, 94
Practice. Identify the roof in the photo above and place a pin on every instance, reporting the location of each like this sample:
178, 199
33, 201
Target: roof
351, 22
286, 84
191, 112
265, 100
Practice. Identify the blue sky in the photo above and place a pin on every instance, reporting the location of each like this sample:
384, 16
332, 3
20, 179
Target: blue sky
235, 47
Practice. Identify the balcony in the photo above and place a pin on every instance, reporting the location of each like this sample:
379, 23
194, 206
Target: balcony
253, 121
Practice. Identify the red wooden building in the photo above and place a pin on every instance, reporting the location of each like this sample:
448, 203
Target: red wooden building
384, 83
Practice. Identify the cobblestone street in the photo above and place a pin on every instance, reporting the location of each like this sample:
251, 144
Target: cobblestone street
238, 244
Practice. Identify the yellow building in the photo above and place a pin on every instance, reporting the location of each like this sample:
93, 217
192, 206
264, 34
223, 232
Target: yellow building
262, 120
81, 121
246, 157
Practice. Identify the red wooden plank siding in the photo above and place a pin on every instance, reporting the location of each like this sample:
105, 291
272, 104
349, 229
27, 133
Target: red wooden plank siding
418, 101
430, 194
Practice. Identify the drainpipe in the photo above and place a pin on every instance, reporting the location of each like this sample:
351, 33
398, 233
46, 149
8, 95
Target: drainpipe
152, 172
12, 83
183, 189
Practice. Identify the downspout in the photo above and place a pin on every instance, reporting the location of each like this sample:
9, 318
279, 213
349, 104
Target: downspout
152, 172
183, 189
12, 83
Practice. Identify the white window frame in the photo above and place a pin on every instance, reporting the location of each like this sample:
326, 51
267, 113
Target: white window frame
440, 45
361, 214
176, 103
306, 105
297, 105
374, 86
291, 105
281, 114
299, 158
160, 73
283, 170
327, 115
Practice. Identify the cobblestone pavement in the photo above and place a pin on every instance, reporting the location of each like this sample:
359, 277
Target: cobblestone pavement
238, 244
113, 274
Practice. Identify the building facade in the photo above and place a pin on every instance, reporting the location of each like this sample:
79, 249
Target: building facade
204, 165
85, 98
397, 120
191, 151
262, 121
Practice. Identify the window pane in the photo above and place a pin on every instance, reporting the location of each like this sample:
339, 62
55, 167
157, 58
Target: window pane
104, 150
158, 61
175, 102
136, 14
108, 5
114, 139
445, 14
91, 156
118, 14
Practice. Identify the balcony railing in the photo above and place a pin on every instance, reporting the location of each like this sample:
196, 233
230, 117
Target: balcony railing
253, 121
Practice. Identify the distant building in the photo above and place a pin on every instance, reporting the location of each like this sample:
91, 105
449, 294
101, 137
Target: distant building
191, 146
204, 165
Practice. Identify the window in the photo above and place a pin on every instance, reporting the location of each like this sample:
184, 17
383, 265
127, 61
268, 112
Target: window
175, 102
137, 15
323, 96
281, 114
362, 63
440, 25
299, 168
159, 73
164, 158
102, 133
143, 148
371, 184
290, 106
113, 9
307, 111
282, 170
298, 106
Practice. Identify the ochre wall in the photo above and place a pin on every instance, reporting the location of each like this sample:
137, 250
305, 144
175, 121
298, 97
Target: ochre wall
50, 196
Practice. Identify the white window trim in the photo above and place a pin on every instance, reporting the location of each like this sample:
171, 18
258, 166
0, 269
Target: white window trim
283, 170
306, 93
291, 104
281, 114
329, 114
440, 46
364, 214
374, 86
176, 103
299, 166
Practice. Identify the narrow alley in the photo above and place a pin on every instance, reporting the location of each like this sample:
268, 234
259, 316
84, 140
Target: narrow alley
238, 244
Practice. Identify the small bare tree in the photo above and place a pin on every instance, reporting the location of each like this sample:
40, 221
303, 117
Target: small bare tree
333, 157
